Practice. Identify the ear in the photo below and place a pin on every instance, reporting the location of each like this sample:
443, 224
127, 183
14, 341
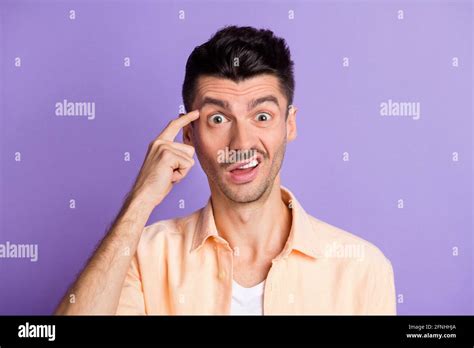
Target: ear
291, 123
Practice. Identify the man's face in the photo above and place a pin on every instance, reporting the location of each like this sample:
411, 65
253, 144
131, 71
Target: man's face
241, 124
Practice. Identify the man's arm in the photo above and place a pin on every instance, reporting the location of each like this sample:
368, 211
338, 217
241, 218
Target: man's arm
97, 289
382, 297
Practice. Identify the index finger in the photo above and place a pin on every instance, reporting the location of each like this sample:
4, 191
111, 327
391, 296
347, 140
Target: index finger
173, 128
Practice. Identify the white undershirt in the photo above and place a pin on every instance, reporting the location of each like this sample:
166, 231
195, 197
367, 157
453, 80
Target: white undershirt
247, 301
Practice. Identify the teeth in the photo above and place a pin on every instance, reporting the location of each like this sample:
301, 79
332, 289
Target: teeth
249, 165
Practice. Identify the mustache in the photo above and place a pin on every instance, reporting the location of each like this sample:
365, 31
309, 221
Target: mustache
254, 151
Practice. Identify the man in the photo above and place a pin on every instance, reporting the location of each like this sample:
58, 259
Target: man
252, 249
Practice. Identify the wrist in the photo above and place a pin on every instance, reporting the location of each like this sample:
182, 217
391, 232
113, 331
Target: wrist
141, 201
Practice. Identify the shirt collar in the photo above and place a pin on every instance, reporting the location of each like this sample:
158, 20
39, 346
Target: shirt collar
302, 236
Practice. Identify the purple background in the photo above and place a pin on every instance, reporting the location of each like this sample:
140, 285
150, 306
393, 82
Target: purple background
67, 158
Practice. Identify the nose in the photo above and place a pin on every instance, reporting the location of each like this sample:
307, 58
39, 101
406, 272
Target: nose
242, 137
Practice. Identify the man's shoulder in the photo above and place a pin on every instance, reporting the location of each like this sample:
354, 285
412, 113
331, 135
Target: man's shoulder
162, 229
337, 242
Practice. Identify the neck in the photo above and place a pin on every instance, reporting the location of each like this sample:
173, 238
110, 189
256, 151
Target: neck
255, 230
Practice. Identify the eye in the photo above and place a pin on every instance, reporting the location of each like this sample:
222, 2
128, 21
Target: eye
263, 116
218, 119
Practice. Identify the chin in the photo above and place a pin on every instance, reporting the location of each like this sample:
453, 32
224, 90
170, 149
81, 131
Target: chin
244, 193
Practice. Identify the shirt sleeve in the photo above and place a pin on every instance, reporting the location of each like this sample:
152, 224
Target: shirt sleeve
132, 301
382, 297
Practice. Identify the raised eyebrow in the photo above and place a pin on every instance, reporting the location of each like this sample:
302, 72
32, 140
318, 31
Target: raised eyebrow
208, 100
267, 98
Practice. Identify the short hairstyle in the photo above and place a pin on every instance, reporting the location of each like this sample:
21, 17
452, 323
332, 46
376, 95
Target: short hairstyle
256, 51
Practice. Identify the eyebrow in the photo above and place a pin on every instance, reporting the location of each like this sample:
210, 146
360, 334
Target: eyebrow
252, 104
208, 100
267, 98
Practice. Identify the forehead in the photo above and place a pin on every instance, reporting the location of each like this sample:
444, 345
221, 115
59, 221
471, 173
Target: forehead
242, 91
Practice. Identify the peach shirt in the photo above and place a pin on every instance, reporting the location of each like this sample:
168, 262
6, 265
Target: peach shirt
183, 266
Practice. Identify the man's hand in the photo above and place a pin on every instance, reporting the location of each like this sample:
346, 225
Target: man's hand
166, 162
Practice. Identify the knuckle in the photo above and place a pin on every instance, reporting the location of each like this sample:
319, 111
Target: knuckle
155, 143
161, 146
166, 154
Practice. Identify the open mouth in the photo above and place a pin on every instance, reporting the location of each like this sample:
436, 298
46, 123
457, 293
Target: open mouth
250, 164
241, 173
